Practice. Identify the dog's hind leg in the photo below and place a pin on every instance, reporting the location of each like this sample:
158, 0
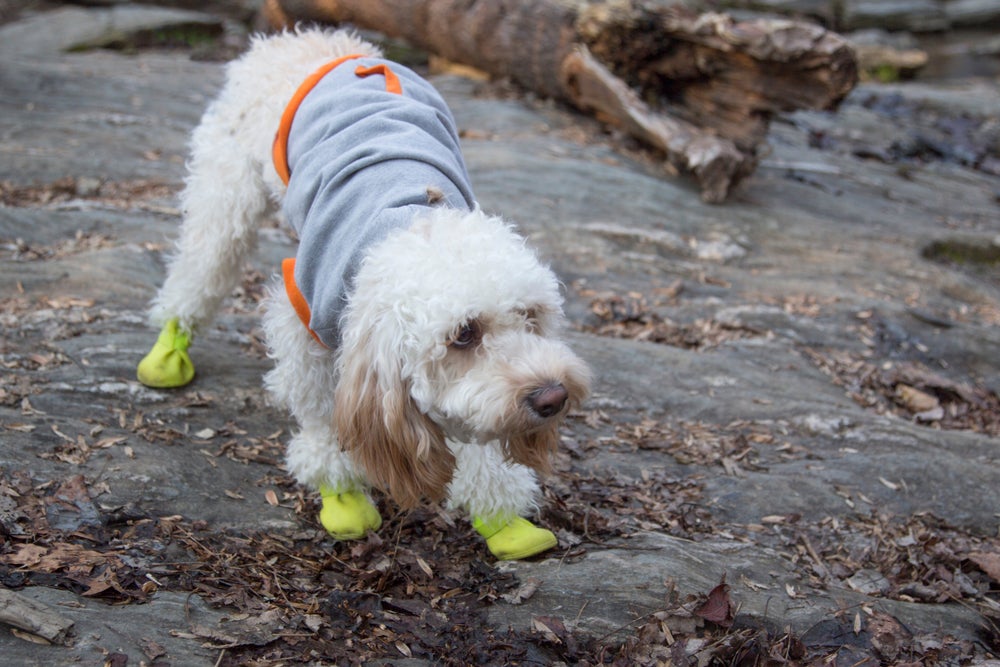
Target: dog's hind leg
496, 492
223, 202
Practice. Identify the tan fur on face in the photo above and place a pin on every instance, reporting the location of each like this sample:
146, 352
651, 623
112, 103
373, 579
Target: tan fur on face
536, 447
400, 449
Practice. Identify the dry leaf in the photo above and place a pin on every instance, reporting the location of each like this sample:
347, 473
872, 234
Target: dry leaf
271, 497
55, 429
28, 637
524, 592
22, 428
718, 608
888, 484
549, 628
988, 563
152, 649
425, 567
108, 442
27, 555
106, 580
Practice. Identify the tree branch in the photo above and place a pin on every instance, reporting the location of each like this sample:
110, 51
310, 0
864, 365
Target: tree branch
34, 617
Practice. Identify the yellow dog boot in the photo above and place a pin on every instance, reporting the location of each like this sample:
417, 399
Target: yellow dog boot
167, 364
347, 515
514, 539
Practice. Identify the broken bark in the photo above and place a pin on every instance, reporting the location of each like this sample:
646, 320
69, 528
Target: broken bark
33, 617
701, 88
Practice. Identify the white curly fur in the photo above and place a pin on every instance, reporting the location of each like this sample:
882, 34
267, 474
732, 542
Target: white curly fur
458, 419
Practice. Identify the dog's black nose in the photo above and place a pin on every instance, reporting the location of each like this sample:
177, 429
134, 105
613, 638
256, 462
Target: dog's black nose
548, 400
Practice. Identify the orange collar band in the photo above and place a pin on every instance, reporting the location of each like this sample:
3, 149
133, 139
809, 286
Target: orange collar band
279, 151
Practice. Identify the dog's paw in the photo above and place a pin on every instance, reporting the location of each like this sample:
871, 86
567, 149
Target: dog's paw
348, 515
167, 364
516, 539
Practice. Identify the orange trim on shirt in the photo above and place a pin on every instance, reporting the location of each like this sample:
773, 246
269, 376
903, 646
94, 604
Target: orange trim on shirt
392, 84
299, 302
279, 150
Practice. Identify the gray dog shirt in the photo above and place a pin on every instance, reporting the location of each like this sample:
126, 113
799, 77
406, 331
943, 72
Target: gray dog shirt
359, 152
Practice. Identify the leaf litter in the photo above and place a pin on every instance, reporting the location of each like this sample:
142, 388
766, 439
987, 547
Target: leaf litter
631, 316
422, 589
112, 193
906, 387
910, 390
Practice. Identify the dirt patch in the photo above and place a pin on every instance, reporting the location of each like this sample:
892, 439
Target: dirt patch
916, 559
423, 586
20, 251
420, 590
632, 317
23, 359
116, 194
908, 389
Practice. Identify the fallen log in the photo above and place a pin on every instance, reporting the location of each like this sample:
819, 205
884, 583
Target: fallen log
700, 87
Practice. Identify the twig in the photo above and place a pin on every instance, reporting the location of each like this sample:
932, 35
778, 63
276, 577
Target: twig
34, 617
812, 554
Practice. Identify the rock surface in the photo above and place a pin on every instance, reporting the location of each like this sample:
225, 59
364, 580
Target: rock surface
847, 15
812, 368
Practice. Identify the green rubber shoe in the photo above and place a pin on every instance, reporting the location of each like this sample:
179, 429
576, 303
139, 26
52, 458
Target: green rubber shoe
515, 539
348, 515
167, 364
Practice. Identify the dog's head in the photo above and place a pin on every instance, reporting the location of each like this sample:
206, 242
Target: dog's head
452, 333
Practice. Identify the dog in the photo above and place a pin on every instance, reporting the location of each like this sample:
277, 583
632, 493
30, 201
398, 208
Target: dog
415, 338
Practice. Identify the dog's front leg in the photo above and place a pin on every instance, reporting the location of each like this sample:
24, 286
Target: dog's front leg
496, 493
303, 380
316, 460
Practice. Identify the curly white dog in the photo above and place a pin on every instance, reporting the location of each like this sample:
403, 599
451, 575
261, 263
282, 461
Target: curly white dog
415, 337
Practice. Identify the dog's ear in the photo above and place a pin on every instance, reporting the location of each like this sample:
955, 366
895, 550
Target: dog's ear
399, 448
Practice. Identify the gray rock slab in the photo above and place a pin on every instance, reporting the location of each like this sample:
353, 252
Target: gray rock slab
628, 584
906, 15
972, 13
77, 29
137, 127
917, 15
141, 633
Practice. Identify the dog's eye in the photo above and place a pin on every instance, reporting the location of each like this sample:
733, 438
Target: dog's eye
467, 336
531, 322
